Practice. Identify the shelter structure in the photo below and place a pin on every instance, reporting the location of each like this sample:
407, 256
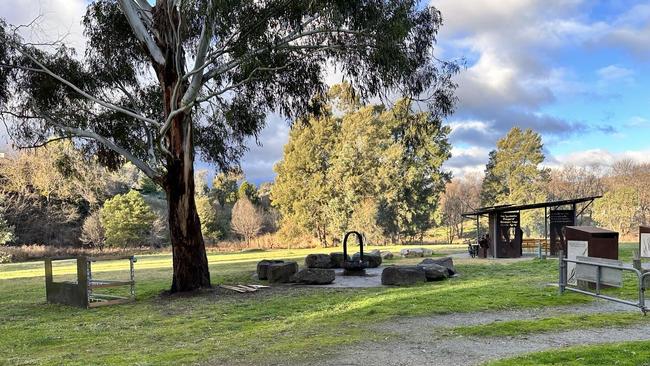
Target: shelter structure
505, 236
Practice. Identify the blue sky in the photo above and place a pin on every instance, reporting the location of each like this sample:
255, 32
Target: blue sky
575, 71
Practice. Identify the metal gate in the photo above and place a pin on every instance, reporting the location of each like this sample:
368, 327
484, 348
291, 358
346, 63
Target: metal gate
641, 279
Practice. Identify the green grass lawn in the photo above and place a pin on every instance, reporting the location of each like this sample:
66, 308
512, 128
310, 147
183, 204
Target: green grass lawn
622, 354
222, 327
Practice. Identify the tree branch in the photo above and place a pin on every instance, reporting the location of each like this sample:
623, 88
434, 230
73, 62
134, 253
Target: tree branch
197, 78
108, 105
140, 30
146, 169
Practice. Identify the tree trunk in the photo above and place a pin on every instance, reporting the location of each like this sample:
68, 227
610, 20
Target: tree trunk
189, 257
190, 261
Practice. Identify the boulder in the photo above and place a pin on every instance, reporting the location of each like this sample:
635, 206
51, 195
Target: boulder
446, 262
262, 267
281, 272
371, 260
338, 259
375, 252
387, 255
411, 253
402, 275
434, 272
426, 252
318, 261
314, 276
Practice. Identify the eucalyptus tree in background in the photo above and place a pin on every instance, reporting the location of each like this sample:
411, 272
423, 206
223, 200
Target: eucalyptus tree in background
159, 83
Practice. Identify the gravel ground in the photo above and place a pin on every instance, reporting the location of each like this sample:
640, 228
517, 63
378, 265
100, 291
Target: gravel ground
415, 342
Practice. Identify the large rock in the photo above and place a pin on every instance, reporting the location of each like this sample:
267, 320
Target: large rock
314, 276
434, 272
281, 272
402, 275
338, 259
371, 260
387, 255
375, 252
262, 267
318, 261
446, 262
416, 252
411, 253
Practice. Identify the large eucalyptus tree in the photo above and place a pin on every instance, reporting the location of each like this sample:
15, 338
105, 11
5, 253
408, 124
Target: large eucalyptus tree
161, 82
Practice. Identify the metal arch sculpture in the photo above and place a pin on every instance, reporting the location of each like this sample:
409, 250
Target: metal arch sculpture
353, 267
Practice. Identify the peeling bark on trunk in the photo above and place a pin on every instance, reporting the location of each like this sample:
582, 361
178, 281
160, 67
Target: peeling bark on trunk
190, 261
189, 257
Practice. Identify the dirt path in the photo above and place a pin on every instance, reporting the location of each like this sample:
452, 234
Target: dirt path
416, 342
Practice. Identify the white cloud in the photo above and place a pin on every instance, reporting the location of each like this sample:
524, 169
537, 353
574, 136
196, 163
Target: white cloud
614, 73
601, 157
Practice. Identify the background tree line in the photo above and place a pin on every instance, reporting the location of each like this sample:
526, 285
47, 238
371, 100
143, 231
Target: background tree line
365, 167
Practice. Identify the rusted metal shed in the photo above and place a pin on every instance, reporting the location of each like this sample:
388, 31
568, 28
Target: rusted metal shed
600, 243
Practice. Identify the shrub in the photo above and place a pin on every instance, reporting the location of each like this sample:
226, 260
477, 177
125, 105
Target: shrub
127, 220
92, 232
6, 231
210, 227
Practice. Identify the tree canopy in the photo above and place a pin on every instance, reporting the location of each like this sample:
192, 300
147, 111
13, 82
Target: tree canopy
373, 166
513, 174
159, 83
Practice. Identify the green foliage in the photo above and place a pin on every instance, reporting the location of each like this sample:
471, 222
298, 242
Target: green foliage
210, 227
148, 187
224, 187
249, 191
6, 231
127, 220
617, 209
373, 167
513, 176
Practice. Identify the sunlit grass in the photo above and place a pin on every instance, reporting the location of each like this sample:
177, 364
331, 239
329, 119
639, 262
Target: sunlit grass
215, 327
623, 354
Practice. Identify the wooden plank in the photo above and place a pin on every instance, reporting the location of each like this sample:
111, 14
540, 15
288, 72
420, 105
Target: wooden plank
233, 288
109, 258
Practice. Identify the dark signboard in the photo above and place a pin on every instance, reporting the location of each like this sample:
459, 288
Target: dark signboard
508, 235
558, 219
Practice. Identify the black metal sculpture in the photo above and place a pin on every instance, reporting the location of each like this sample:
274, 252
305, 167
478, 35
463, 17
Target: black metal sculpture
353, 266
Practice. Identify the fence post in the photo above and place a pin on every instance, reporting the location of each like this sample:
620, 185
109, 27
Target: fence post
561, 266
